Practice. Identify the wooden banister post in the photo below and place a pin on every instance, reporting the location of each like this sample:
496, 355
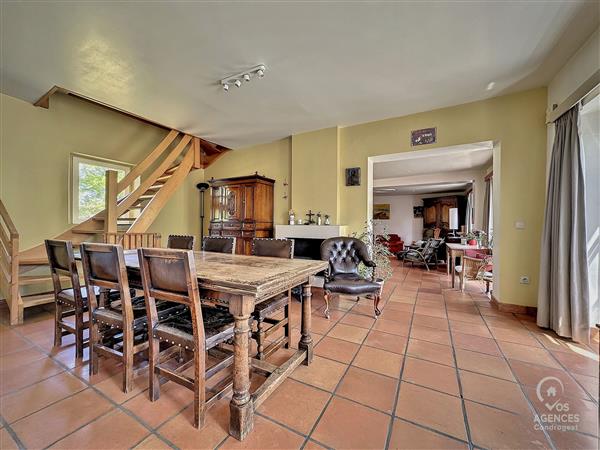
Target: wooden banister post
110, 221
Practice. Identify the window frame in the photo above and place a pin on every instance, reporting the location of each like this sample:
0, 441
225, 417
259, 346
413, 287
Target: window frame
74, 161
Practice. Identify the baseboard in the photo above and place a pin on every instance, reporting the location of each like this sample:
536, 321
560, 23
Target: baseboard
514, 309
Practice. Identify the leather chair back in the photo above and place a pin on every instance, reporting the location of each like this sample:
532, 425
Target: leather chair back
62, 262
181, 242
344, 254
104, 268
277, 248
219, 244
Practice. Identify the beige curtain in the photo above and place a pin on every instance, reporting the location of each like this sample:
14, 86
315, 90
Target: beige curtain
487, 204
563, 293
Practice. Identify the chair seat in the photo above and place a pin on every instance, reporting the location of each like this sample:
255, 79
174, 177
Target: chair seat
351, 285
114, 317
268, 307
177, 328
67, 296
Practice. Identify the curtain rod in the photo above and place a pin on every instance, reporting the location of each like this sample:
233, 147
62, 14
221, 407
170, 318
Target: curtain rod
580, 93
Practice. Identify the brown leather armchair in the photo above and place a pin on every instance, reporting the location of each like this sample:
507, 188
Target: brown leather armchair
344, 255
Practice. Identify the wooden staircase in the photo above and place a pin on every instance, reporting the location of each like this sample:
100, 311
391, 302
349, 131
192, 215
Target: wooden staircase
132, 205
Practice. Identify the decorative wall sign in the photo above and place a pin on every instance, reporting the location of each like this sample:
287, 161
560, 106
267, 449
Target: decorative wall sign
353, 176
423, 136
417, 211
381, 211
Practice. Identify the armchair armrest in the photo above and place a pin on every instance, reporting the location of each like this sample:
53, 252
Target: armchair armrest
369, 263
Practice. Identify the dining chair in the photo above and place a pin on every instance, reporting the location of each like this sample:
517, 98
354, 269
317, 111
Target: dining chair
171, 275
118, 327
219, 244
265, 311
70, 301
476, 265
345, 254
181, 242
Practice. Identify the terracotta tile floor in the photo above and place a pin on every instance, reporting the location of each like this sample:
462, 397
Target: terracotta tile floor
438, 369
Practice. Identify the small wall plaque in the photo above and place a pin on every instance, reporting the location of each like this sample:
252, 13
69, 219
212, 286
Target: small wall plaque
423, 136
353, 176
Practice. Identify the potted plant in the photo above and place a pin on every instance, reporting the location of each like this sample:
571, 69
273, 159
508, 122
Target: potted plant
379, 254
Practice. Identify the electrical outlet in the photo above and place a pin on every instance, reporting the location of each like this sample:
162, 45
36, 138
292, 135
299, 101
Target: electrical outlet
524, 280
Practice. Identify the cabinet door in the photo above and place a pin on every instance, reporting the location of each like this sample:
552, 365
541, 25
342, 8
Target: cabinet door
248, 203
445, 219
430, 215
233, 198
216, 208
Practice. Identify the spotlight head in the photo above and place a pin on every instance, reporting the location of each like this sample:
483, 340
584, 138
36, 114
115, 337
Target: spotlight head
246, 77
202, 186
225, 87
261, 72
237, 83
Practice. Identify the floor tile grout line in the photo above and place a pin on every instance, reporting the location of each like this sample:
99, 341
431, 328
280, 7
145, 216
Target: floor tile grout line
566, 369
6, 426
527, 400
458, 379
397, 393
99, 392
318, 420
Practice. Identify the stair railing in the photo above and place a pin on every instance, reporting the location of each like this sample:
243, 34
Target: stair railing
9, 264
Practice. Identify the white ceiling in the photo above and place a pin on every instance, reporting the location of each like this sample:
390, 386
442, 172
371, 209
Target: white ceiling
449, 159
329, 63
423, 189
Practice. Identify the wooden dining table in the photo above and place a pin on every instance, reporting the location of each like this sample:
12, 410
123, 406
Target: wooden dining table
241, 282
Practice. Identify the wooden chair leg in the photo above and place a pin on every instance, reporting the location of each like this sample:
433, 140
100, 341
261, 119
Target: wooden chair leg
94, 338
260, 338
57, 327
376, 300
287, 327
326, 296
199, 391
154, 381
127, 363
78, 333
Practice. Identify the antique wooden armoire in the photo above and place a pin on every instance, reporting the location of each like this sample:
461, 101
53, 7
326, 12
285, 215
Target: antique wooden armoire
242, 207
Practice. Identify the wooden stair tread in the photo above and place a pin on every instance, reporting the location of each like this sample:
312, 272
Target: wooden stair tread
37, 299
25, 280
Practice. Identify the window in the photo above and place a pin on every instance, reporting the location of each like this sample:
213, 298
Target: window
88, 184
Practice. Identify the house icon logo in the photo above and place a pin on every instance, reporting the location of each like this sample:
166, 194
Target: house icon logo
549, 391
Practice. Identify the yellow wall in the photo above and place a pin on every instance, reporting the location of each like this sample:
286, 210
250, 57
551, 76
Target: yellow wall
35, 150
272, 160
517, 121
315, 185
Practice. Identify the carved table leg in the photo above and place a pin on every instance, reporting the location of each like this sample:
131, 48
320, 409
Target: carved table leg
241, 407
306, 342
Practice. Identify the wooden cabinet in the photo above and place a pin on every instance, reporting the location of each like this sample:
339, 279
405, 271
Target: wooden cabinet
242, 207
436, 212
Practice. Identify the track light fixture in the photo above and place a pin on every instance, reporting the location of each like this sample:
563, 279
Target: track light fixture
236, 80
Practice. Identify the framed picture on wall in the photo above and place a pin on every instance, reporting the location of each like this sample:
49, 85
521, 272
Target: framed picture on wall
417, 211
353, 176
381, 211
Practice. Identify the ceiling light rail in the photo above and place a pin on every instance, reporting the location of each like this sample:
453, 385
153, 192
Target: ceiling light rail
238, 79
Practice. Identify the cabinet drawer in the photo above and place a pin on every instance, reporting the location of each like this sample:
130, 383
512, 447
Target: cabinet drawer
249, 226
248, 234
216, 225
231, 233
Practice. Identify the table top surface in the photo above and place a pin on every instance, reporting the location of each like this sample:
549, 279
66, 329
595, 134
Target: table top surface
464, 247
246, 275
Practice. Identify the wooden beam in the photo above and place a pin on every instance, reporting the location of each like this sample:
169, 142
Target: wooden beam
162, 196
277, 377
197, 153
111, 192
150, 180
147, 161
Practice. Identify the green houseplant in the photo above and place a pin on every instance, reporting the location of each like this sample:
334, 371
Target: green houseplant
379, 253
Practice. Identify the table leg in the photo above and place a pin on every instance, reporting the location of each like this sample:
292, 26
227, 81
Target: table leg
448, 261
241, 407
452, 272
462, 272
306, 342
